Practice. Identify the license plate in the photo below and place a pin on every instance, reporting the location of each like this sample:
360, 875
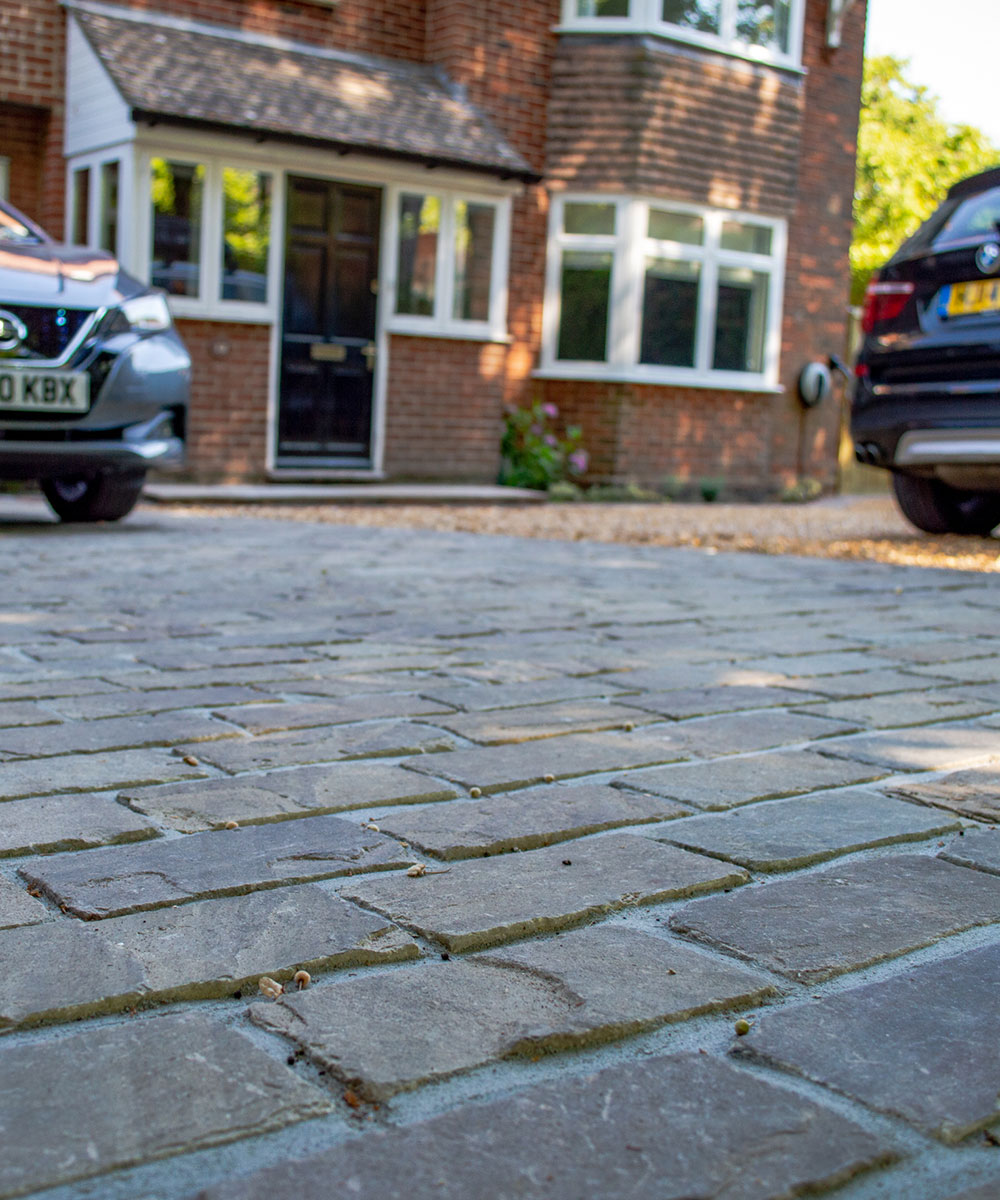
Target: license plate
967, 299
45, 391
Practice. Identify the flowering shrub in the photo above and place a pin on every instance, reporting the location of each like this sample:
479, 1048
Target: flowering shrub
533, 456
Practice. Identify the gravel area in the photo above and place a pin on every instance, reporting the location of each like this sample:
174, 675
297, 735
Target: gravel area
850, 527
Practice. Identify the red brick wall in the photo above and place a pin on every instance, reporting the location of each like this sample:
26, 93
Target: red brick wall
227, 421
444, 414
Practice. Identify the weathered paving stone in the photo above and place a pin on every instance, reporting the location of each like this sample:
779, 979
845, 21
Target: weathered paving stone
725, 784
498, 768
738, 733
188, 952
384, 1034
666, 1129
905, 708
298, 791
123, 704
49, 823
973, 793
17, 907
896, 1045
524, 820
273, 718
483, 902
785, 834
96, 1101
109, 882
93, 772
483, 698
845, 917
542, 721
313, 746
114, 733
706, 701
926, 748
860, 684
24, 712
978, 848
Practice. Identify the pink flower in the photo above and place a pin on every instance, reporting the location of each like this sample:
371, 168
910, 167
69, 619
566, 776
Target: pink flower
550, 411
536, 430
551, 440
579, 461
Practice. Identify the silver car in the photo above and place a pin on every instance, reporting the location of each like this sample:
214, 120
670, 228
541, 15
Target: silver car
94, 379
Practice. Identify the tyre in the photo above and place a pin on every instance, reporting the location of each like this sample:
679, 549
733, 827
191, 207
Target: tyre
101, 497
937, 508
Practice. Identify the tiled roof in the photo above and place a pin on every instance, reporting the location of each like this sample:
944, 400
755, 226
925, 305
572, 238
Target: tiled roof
177, 72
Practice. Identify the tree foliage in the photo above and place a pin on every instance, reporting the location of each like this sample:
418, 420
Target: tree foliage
908, 157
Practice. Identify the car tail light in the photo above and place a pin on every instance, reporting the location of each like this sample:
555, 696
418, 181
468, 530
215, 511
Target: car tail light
884, 302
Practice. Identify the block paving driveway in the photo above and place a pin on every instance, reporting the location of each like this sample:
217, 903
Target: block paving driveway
612, 871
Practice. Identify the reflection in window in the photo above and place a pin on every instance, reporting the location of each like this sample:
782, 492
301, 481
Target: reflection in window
741, 320
602, 8
687, 228
748, 238
108, 237
670, 313
81, 206
177, 214
585, 292
246, 229
702, 15
473, 260
419, 226
764, 23
588, 218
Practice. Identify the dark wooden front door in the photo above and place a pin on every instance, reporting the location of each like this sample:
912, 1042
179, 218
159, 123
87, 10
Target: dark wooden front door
328, 324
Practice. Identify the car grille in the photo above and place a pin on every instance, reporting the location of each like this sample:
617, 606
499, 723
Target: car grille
50, 330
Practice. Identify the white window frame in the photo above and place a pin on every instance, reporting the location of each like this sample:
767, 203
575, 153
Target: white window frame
209, 302
645, 17
442, 322
122, 155
629, 246
4, 177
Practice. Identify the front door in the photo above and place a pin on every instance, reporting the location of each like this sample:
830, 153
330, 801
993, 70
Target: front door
328, 324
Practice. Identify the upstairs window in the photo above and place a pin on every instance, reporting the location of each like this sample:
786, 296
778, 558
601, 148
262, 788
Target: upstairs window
763, 29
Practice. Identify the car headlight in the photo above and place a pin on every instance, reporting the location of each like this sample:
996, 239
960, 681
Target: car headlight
147, 314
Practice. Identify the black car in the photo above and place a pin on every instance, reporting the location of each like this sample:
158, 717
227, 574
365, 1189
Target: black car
926, 403
94, 379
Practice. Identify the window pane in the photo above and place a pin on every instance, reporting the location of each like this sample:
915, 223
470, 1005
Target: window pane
741, 320
763, 23
473, 260
109, 207
81, 206
589, 218
753, 239
702, 15
177, 201
670, 312
419, 225
586, 290
246, 234
602, 8
676, 227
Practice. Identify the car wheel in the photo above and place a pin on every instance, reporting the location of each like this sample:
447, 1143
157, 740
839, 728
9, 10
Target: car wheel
102, 497
937, 508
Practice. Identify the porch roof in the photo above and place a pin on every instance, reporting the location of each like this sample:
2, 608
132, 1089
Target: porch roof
178, 72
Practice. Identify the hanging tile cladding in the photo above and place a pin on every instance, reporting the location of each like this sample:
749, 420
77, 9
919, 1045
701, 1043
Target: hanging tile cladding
640, 115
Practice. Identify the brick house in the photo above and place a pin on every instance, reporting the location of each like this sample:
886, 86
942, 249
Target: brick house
381, 223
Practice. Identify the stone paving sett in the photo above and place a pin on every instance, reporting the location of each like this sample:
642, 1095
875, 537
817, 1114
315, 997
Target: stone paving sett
707, 701
23, 712
274, 718
498, 768
49, 823
785, 834
59, 1125
298, 791
539, 721
123, 704
385, 1034
482, 902
905, 708
738, 733
121, 879
862, 684
317, 745
977, 848
113, 733
524, 820
845, 917
667, 1129
922, 1046
69, 969
727, 783
17, 907
93, 772
484, 698
928, 748
972, 793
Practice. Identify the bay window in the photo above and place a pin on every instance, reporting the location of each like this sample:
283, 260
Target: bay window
767, 29
667, 293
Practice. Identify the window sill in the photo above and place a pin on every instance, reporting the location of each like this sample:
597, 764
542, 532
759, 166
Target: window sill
609, 28
720, 382
479, 334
